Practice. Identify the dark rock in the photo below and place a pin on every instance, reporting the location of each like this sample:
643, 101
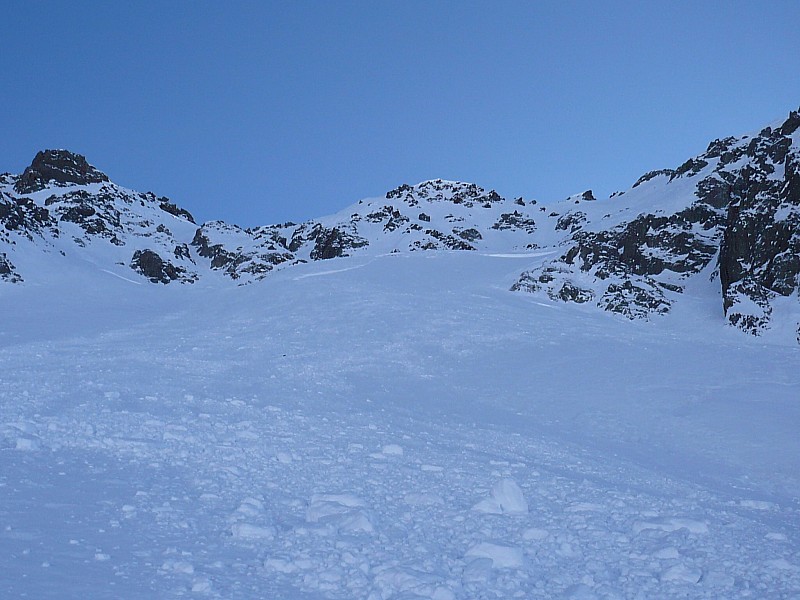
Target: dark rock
791, 124
181, 252
219, 255
691, 167
719, 147
570, 292
759, 255
389, 215
648, 245
515, 220
554, 274
470, 235
174, 210
588, 195
634, 301
653, 174
235, 263
21, 215
440, 241
399, 192
572, 221
467, 194
424, 217
156, 269
59, 167
333, 243
8, 272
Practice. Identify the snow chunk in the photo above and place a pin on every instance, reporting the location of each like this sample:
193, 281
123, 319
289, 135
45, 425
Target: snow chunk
423, 499
27, 444
781, 564
251, 507
584, 507
201, 585
757, 504
178, 566
248, 531
342, 511
281, 565
432, 468
581, 591
392, 450
502, 557
681, 574
669, 553
283, 458
507, 498
670, 524
534, 533
406, 582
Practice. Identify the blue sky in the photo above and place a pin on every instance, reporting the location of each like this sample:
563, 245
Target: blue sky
262, 112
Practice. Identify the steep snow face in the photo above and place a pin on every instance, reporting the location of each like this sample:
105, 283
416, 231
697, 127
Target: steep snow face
387, 427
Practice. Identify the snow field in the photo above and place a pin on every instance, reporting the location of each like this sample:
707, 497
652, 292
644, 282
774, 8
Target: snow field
390, 435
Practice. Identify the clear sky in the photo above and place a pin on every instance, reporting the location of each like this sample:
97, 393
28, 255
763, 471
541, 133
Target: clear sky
262, 112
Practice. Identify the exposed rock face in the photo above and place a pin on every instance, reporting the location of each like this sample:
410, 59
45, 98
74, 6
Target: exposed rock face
468, 194
333, 243
57, 167
174, 209
7, 271
515, 220
744, 211
571, 221
268, 249
759, 257
24, 217
158, 270
96, 214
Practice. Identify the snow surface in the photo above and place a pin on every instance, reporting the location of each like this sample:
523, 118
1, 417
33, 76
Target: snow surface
403, 427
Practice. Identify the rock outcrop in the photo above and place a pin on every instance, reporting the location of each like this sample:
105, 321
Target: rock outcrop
57, 167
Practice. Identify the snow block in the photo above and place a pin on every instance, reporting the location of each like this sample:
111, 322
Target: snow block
502, 557
507, 498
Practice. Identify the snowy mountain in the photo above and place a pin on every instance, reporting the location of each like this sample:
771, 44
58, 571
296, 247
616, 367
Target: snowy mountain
376, 415
730, 215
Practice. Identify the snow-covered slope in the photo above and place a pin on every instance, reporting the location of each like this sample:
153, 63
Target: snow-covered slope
724, 225
453, 408
387, 427
731, 214
63, 211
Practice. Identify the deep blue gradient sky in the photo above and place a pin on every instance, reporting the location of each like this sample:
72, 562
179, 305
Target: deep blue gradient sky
261, 112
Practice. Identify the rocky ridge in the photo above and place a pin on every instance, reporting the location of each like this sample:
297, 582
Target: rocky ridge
731, 212
729, 216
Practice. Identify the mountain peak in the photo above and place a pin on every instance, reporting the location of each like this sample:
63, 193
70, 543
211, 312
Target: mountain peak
441, 189
59, 166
